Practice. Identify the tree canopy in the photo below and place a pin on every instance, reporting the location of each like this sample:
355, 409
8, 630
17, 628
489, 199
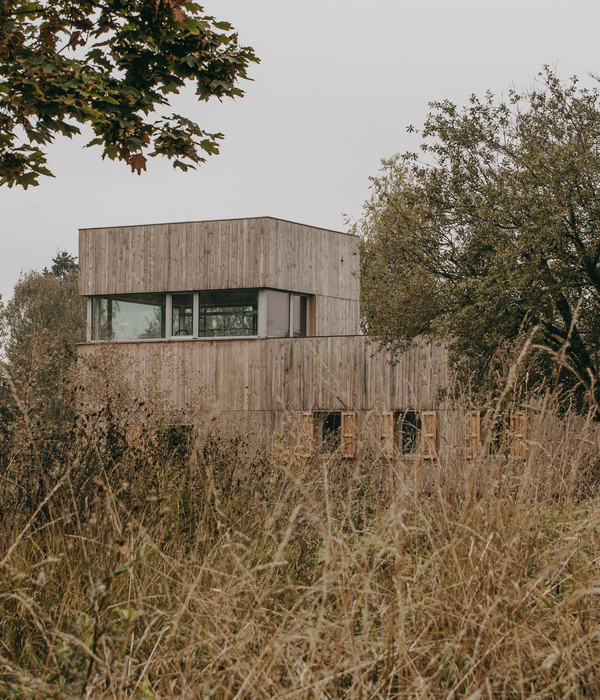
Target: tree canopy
492, 235
39, 329
110, 65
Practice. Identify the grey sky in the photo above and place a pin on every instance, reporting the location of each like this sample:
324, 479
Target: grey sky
339, 82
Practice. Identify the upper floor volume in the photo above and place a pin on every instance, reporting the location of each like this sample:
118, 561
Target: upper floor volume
236, 278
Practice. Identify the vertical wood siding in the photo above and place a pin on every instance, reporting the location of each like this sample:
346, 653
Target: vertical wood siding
230, 254
293, 374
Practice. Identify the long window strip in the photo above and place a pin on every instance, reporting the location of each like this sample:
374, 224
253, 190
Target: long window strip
186, 315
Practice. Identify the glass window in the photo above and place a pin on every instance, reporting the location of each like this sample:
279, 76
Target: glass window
331, 429
278, 314
204, 314
100, 327
408, 430
128, 317
298, 316
228, 313
183, 314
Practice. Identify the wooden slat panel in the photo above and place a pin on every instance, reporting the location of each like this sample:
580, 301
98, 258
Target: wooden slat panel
387, 434
472, 434
348, 434
429, 434
296, 374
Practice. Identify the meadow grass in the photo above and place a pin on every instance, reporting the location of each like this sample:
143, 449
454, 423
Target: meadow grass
163, 570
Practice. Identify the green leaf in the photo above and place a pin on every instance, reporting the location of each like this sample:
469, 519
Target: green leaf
192, 26
111, 151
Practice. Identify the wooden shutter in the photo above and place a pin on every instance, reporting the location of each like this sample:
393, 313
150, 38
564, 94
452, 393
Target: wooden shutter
387, 434
306, 438
429, 434
518, 428
349, 434
473, 434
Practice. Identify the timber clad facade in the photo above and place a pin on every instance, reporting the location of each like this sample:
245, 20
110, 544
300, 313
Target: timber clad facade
252, 325
262, 253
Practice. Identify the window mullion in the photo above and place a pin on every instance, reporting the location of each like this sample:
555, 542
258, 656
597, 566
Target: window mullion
169, 316
196, 312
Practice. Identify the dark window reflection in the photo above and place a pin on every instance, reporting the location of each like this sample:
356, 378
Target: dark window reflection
228, 313
299, 316
408, 430
331, 429
183, 314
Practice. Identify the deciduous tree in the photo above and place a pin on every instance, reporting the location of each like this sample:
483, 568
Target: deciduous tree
112, 66
40, 327
492, 235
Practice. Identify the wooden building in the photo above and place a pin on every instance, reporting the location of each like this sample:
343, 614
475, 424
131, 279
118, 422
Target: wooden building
252, 325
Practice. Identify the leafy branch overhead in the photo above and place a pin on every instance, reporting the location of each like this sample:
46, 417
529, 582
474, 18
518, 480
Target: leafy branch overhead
110, 65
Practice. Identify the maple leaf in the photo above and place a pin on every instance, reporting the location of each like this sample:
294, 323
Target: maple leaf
175, 6
137, 161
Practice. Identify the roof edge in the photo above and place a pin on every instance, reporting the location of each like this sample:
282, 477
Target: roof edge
208, 221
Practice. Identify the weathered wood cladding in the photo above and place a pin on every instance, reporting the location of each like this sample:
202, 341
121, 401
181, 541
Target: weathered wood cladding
227, 254
337, 316
283, 374
249, 386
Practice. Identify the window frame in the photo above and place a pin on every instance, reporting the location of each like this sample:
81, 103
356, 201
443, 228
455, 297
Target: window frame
170, 316
306, 304
330, 435
424, 443
341, 437
223, 305
306, 301
129, 299
413, 450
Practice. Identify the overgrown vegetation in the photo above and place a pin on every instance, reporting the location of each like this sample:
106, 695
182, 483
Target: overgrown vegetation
166, 565
39, 329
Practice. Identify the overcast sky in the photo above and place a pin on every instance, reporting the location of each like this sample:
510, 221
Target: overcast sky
339, 82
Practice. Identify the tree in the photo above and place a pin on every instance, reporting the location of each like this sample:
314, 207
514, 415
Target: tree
40, 327
63, 265
492, 236
110, 65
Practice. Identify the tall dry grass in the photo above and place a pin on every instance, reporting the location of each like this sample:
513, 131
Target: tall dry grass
176, 568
